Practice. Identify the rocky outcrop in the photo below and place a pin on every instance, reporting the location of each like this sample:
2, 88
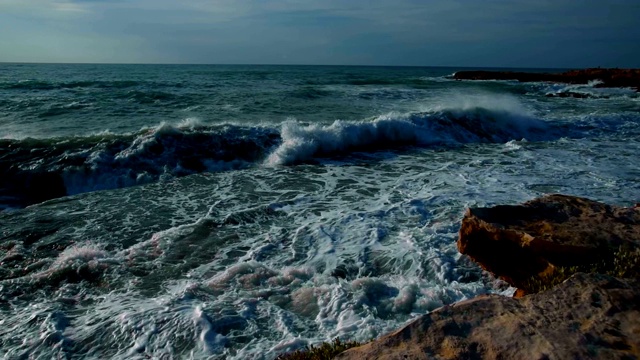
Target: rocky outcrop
526, 244
588, 316
607, 77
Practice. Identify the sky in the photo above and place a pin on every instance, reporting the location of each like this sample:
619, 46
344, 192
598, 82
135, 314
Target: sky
473, 33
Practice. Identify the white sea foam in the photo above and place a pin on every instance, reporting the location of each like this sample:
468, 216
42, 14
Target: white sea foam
589, 90
461, 102
300, 143
210, 341
477, 118
79, 253
251, 263
268, 260
165, 152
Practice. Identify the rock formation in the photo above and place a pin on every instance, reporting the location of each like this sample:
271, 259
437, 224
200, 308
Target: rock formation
607, 77
590, 315
530, 242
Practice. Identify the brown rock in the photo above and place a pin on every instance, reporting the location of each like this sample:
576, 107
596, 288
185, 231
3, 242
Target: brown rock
588, 316
518, 243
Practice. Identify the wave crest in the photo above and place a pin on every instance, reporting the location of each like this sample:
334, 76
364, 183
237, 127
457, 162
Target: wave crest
301, 143
35, 170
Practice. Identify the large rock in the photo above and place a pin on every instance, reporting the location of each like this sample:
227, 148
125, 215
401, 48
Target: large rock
530, 242
607, 77
588, 316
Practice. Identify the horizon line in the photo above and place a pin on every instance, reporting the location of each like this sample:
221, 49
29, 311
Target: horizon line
284, 64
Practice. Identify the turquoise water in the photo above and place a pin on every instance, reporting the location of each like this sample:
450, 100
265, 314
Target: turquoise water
245, 211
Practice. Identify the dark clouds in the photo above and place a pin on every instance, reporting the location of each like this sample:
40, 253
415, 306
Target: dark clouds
542, 33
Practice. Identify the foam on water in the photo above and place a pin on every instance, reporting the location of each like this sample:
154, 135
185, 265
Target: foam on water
479, 118
353, 241
287, 257
590, 90
457, 101
293, 267
106, 160
78, 253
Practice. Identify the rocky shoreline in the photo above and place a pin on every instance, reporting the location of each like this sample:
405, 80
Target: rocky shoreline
602, 77
576, 263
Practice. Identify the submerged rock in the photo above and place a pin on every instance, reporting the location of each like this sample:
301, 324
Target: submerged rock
530, 243
588, 316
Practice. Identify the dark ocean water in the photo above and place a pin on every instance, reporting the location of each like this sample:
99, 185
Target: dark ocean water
242, 211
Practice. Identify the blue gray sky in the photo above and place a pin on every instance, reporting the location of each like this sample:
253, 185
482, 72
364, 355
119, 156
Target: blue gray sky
511, 33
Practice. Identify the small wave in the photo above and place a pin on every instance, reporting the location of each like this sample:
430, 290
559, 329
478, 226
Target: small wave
310, 93
149, 97
371, 81
413, 82
33, 84
118, 84
438, 79
590, 90
75, 263
28, 85
386, 94
60, 109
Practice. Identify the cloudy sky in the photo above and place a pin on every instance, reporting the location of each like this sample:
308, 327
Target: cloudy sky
514, 33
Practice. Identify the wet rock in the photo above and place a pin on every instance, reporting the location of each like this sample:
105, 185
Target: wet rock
588, 316
548, 235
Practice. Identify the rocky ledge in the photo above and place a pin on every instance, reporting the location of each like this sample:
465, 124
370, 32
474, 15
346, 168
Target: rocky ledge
583, 257
544, 240
606, 77
588, 316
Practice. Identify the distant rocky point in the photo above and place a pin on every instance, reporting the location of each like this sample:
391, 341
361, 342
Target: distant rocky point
604, 77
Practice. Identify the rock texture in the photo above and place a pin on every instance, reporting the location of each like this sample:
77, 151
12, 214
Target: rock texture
518, 243
589, 316
608, 77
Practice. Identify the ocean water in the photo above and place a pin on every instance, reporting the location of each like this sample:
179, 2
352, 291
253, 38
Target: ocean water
240, 212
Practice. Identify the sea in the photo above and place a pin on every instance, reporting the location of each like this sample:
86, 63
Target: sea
242, 212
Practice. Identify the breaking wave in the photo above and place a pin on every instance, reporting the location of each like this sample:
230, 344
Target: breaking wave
36, 170
301, 143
